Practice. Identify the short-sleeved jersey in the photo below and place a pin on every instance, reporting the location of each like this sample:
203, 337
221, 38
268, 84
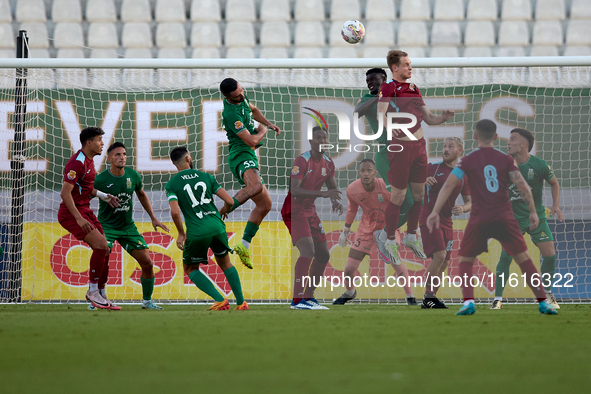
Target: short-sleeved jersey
488, 177
119, 186
194, 192
535, 171
372, 203
403, 97
79, 171
312, 174
236, 118
440, 172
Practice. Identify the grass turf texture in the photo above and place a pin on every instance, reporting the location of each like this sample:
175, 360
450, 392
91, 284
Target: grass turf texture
349, 349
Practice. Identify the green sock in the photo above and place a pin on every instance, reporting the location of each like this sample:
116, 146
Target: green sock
234, 281
502, 273
250, 231
147, 288
548, 266
204, 284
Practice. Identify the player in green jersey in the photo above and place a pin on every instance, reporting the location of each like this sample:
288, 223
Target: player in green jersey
535, 171
238, 119
192, 191
118, 222
368, 106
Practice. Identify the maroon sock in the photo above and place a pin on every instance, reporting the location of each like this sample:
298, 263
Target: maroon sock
316, 272
97, 261
413, 218
105, 275
528, 268
466, 272
301, 270
392, 218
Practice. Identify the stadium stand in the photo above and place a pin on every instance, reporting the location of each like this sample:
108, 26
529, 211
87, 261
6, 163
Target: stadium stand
66, 11
101, 11
275, 11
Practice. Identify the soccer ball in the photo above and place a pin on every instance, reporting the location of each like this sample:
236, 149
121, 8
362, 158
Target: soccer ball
353, 31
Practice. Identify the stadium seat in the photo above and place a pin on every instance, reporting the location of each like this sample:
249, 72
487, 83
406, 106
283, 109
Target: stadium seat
577, 51
103, 54
580, 9
415, 10
309, 11
445, 52
275, 34
240, 53
136, 11
482, 10
309, 34
100, 11
349, 52
513, 34
171, 53
375, 52
543, 50
70, 53
240, 11
478, 52
547, 33
102, 35
239, 34
6, 54
275, 11
578, 33
30, 11
378, 33
510, 51
68, 35
205, 11
413, 34
516, 10
380, 10
5, 13
550, 10
7, 39
206, 53
335, 38
136, 35
138, 53
171, 35
37, 33
170, 11
205, 35
446, 34
38, 53
448, 10
66, 11
343, 10
414, 52
271, 53
308, 52
480, 33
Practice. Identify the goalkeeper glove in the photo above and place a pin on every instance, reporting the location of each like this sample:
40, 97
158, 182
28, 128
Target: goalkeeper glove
343, 242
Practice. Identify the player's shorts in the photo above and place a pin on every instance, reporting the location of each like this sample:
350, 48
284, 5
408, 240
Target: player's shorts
242, 161
506, 231
65, 218
128, 237
363, 242
409, 165
300, 226
440, 239
539, 234
196, 250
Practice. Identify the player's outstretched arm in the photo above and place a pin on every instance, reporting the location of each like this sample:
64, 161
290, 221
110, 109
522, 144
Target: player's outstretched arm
145, 201
108, 198
66, 195
259, 117
555, 188
432, 120
365, 106
526, 197
297, 191
178, 222
446, 190
230, 203
331, 184
253, 140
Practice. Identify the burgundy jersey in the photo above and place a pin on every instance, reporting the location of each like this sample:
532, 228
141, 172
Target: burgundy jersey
403, 97
488, 177
312, 174
440, 172
79, 171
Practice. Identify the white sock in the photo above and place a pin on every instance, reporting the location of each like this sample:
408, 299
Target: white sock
145, 301
350, 292
246, 244
410, 296
93, 286
103, 293
548, 292
498, 299
383, 236
466, 303
411, 237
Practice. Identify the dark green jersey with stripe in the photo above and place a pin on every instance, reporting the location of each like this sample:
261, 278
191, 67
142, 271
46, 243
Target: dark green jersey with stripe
119, 186
535, 171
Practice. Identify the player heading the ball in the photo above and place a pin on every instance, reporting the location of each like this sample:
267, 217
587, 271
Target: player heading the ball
490, 172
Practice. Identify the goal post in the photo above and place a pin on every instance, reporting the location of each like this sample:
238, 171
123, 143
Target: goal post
153, 105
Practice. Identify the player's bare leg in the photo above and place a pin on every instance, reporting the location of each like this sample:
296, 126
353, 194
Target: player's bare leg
527, 267
353, 261
321, 257
547, 269
305, 246
392, 217
142, 256
410, 240
436, 268
100, 253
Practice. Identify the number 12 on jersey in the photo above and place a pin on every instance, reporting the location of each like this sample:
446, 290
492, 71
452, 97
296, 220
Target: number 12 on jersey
204, 200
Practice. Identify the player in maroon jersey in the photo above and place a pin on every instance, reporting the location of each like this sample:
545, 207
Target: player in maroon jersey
407, 153
310, 171
490, 172
76, 216
439, 243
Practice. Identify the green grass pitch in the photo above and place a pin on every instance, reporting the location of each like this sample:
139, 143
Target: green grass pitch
271, 349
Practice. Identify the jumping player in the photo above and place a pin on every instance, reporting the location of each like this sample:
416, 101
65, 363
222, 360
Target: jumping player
407, 157
490, 172
535, 171
75, 215
439, 243
238, 119
310, 171
118, 222
369, 193
192, 191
